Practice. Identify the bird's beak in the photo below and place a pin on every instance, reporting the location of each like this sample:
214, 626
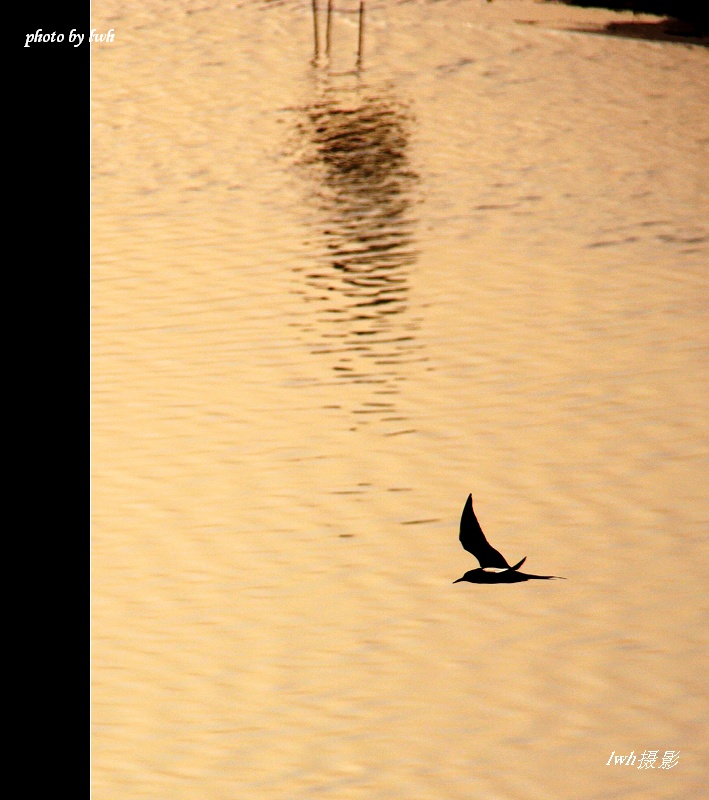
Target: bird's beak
458, 581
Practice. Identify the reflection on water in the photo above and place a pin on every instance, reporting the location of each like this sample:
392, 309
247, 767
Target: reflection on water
353, 141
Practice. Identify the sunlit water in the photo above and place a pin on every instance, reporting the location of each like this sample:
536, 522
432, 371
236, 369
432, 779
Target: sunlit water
329, 303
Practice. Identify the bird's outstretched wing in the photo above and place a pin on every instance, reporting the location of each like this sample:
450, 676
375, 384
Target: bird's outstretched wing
473, 540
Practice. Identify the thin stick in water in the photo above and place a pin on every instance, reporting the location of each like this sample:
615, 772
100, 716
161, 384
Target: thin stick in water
328, 28
360, 43
315, 30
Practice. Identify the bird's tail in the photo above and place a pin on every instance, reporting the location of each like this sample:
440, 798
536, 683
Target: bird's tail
518, 564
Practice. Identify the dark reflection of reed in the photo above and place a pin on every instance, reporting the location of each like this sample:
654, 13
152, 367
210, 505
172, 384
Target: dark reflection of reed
353, 143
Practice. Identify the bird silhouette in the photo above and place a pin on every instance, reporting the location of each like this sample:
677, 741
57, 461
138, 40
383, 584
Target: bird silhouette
493, 565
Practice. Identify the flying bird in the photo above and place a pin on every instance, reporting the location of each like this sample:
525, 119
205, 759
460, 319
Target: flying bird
493, 565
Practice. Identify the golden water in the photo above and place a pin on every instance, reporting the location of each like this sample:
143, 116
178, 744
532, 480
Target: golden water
329, 305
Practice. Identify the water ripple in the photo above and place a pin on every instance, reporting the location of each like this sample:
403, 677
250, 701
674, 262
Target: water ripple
353, 162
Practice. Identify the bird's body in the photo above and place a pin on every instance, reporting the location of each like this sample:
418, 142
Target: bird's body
500, 576
493, 565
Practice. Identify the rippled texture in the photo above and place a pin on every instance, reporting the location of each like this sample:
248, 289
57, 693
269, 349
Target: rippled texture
330, 302
354, 150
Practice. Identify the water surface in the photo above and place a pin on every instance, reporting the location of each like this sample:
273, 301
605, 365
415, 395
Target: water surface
329, 303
